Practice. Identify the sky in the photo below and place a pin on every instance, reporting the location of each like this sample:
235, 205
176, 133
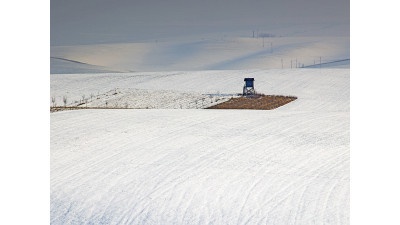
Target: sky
77, 22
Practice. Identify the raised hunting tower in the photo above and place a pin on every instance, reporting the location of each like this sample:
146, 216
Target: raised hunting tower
248, 88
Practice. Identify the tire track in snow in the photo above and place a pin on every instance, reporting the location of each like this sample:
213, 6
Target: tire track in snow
327, 196
303, 176
290, 187
199, 167
182, 131
249, 192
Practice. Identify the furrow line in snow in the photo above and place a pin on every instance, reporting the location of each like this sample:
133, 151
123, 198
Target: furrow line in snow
293, 186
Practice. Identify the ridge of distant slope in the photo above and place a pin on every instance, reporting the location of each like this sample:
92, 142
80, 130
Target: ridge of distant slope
67, 66
209, 54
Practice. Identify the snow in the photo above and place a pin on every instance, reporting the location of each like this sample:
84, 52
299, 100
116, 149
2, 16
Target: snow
58, 65
196, 166
145, 99
223, 53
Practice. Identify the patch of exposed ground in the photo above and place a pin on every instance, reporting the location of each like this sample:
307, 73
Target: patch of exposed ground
259, 101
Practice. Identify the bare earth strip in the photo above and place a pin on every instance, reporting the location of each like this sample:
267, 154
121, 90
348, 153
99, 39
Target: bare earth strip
262, 102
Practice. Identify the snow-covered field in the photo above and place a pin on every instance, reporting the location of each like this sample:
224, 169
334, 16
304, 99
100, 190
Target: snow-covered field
196, 166
225, 53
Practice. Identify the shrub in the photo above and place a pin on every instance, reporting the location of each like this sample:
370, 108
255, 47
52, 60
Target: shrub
53, 100
65, 100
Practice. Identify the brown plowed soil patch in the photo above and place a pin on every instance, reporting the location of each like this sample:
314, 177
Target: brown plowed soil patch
260, 102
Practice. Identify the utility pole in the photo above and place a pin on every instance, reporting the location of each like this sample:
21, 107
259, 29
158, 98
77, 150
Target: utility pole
320, 61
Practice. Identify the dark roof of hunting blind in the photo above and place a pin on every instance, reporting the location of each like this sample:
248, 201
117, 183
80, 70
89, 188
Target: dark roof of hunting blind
248, 79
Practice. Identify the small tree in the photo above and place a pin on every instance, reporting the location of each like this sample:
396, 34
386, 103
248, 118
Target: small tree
53, 100
106, 103
65, 100
91, 96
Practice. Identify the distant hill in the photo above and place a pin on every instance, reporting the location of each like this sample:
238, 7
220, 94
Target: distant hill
64, 66
201, 54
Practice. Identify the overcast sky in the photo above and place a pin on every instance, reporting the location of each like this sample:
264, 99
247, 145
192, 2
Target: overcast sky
104, 21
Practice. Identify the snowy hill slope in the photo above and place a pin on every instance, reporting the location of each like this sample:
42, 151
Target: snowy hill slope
208, 54
224, 82
60, 65
172, 166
